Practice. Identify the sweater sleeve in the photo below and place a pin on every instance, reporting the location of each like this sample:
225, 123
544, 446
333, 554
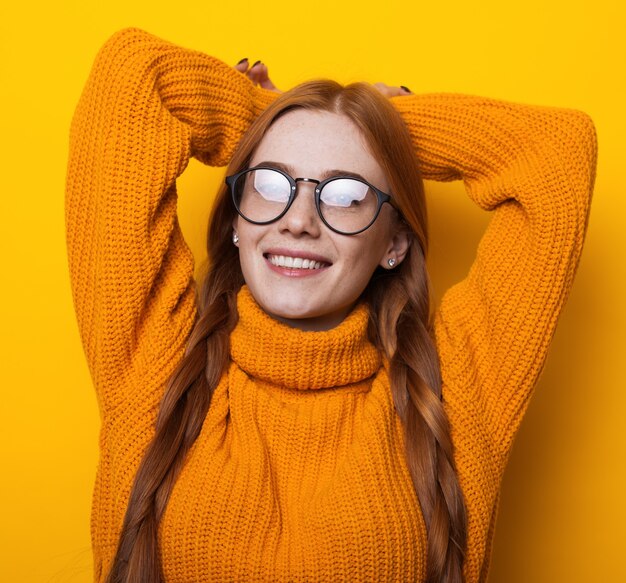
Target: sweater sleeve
534, 167
146, 108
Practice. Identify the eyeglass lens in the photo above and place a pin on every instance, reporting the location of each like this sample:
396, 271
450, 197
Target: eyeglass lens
346, 204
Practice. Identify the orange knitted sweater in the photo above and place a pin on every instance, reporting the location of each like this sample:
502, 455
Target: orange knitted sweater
283, 483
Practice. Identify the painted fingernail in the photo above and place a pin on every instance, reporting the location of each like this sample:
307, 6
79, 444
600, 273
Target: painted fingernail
242, 60
405, 88
255, 64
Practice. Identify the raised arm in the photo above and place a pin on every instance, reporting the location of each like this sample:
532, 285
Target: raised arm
534, 167
147, 106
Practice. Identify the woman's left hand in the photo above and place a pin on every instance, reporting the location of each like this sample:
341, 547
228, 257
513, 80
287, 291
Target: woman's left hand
257, 73
389, 91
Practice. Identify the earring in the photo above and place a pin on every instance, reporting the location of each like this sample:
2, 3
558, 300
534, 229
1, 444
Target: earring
235, 238
391, 262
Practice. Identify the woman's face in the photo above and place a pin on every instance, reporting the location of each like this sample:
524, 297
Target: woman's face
314, 144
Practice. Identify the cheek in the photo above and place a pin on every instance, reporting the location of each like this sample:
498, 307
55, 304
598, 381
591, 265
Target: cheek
370, 250
362, 260
247, 258
246, 246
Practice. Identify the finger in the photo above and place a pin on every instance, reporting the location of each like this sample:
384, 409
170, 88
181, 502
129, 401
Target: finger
385, 89
382, 87
254, 73
389, 91
242, 66
394, 91
264, 79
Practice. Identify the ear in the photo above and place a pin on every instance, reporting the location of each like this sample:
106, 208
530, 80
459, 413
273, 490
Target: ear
235, 224
397, 249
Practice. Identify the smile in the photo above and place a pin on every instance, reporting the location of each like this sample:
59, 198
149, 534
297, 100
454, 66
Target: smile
295, 262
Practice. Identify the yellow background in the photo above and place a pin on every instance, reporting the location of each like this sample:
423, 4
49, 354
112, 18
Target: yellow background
562, 511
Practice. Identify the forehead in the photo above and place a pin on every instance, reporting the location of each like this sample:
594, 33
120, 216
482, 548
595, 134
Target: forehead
312, 142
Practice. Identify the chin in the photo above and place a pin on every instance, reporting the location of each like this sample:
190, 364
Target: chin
306, 316
293, 310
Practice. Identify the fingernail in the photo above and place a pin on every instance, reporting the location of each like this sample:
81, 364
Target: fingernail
405, 88
242, 60
255, 64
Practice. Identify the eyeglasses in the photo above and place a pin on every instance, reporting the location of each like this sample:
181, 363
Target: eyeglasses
345, 204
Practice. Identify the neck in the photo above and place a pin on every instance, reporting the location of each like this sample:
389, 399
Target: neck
270, 350
316, 323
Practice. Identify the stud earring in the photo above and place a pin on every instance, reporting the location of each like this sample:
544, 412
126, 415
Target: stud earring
391, 262
235, 238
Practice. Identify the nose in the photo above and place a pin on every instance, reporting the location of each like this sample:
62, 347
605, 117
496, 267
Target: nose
302, 217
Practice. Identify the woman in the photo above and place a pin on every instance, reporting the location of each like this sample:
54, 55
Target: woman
305, 417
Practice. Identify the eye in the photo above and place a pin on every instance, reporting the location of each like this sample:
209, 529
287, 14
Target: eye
344, 192
271, 185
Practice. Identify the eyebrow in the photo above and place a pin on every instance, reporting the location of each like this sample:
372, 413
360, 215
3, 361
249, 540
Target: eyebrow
326, 174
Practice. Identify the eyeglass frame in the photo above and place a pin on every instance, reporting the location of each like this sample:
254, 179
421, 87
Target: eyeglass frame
381, 196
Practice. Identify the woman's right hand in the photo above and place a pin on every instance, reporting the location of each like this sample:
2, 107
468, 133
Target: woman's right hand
257, 73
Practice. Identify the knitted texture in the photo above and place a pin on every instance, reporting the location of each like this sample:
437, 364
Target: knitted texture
285, 484
304, 360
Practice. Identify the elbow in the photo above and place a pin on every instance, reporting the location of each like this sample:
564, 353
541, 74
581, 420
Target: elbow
583, 130
587, 133
589, 148
579, 151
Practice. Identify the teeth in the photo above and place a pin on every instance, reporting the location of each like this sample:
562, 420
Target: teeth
294, 262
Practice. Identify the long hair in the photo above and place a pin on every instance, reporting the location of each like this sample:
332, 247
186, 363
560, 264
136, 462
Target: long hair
400, 326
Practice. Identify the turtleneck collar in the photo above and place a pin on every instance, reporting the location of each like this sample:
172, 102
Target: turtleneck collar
271, 351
